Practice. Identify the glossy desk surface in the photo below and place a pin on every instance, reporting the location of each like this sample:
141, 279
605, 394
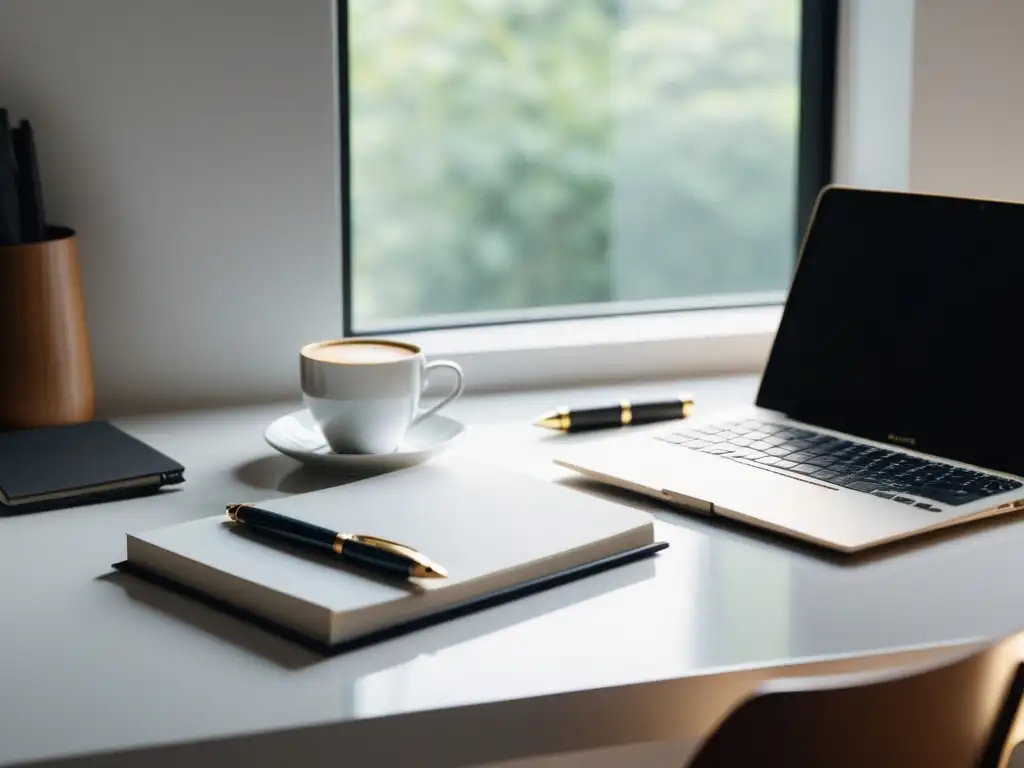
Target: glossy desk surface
95, 662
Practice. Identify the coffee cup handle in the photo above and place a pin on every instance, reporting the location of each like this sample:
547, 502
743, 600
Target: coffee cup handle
456, 390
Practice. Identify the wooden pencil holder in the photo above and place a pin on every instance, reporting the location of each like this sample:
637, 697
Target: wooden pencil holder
46, 376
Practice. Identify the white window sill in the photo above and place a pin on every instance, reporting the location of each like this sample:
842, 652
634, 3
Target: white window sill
689, 344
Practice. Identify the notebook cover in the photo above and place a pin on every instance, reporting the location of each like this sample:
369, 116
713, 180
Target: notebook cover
80, 499
470, 606
76, 457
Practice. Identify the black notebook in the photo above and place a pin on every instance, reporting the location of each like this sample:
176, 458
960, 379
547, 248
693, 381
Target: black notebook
76, 464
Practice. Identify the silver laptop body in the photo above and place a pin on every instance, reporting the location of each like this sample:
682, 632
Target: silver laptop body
907, 463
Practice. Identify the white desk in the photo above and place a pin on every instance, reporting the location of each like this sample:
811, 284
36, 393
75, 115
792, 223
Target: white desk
93, 662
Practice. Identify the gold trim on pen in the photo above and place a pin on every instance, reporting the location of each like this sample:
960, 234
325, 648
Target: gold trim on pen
626, 412
339, 542
232, 510
564, 418
423, 567
687, 406
385, 545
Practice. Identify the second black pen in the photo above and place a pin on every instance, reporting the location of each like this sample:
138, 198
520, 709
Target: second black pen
623, 414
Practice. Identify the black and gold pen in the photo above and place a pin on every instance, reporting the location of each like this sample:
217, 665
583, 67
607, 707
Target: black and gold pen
620, 415
357, 549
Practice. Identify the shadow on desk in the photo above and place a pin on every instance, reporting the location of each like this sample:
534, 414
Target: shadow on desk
280, 473
386, 653
739, 531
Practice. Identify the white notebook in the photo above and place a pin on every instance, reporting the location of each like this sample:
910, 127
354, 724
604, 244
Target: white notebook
491, 529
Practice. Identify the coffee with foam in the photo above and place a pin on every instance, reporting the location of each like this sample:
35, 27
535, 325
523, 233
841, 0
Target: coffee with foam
358, 352
364, 394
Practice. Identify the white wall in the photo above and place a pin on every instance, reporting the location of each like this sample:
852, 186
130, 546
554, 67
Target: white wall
930, 97
193, 145
874, 76
967, 135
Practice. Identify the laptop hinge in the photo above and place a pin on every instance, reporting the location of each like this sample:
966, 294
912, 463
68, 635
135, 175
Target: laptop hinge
689, 503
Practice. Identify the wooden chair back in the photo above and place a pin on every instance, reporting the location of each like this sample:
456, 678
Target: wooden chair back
957, 713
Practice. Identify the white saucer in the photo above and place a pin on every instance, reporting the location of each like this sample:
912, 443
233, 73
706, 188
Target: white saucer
297, 436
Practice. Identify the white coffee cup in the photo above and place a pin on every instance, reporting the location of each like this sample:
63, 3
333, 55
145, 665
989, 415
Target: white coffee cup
364, 394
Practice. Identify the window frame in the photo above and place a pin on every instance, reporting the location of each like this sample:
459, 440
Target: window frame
490, 347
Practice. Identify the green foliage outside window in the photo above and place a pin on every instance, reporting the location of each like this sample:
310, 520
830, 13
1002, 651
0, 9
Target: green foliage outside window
528, 153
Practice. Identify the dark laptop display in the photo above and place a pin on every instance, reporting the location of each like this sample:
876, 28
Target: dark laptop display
902, 325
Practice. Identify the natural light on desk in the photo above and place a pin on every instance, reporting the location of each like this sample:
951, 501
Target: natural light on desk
562, 662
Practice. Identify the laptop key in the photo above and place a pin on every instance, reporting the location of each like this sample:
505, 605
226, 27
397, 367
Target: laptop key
743, 442
1000, 486
899, 487
952, 496
858, 461
715, 450
800, 457
741, 453
840, 454
814, 450
914, 462
797, 445
696, 444
768, 460
821, 461
844, 479
761, 445
903, 500
864, 485
785, 464
779, 451
824, 474
827, 441
805, 469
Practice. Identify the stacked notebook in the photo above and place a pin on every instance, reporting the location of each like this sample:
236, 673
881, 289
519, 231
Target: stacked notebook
77, 464
499, 534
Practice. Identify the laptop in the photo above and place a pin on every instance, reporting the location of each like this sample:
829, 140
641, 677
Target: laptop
889, 405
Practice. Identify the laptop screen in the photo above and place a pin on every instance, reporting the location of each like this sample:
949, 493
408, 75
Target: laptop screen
902, 325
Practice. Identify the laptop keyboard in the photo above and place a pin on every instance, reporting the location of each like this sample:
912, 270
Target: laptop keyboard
892, 475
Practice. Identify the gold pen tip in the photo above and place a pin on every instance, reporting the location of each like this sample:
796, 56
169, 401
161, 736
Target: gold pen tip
558, 419
432, 571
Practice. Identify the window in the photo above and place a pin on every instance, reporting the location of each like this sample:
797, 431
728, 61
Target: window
507, 160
